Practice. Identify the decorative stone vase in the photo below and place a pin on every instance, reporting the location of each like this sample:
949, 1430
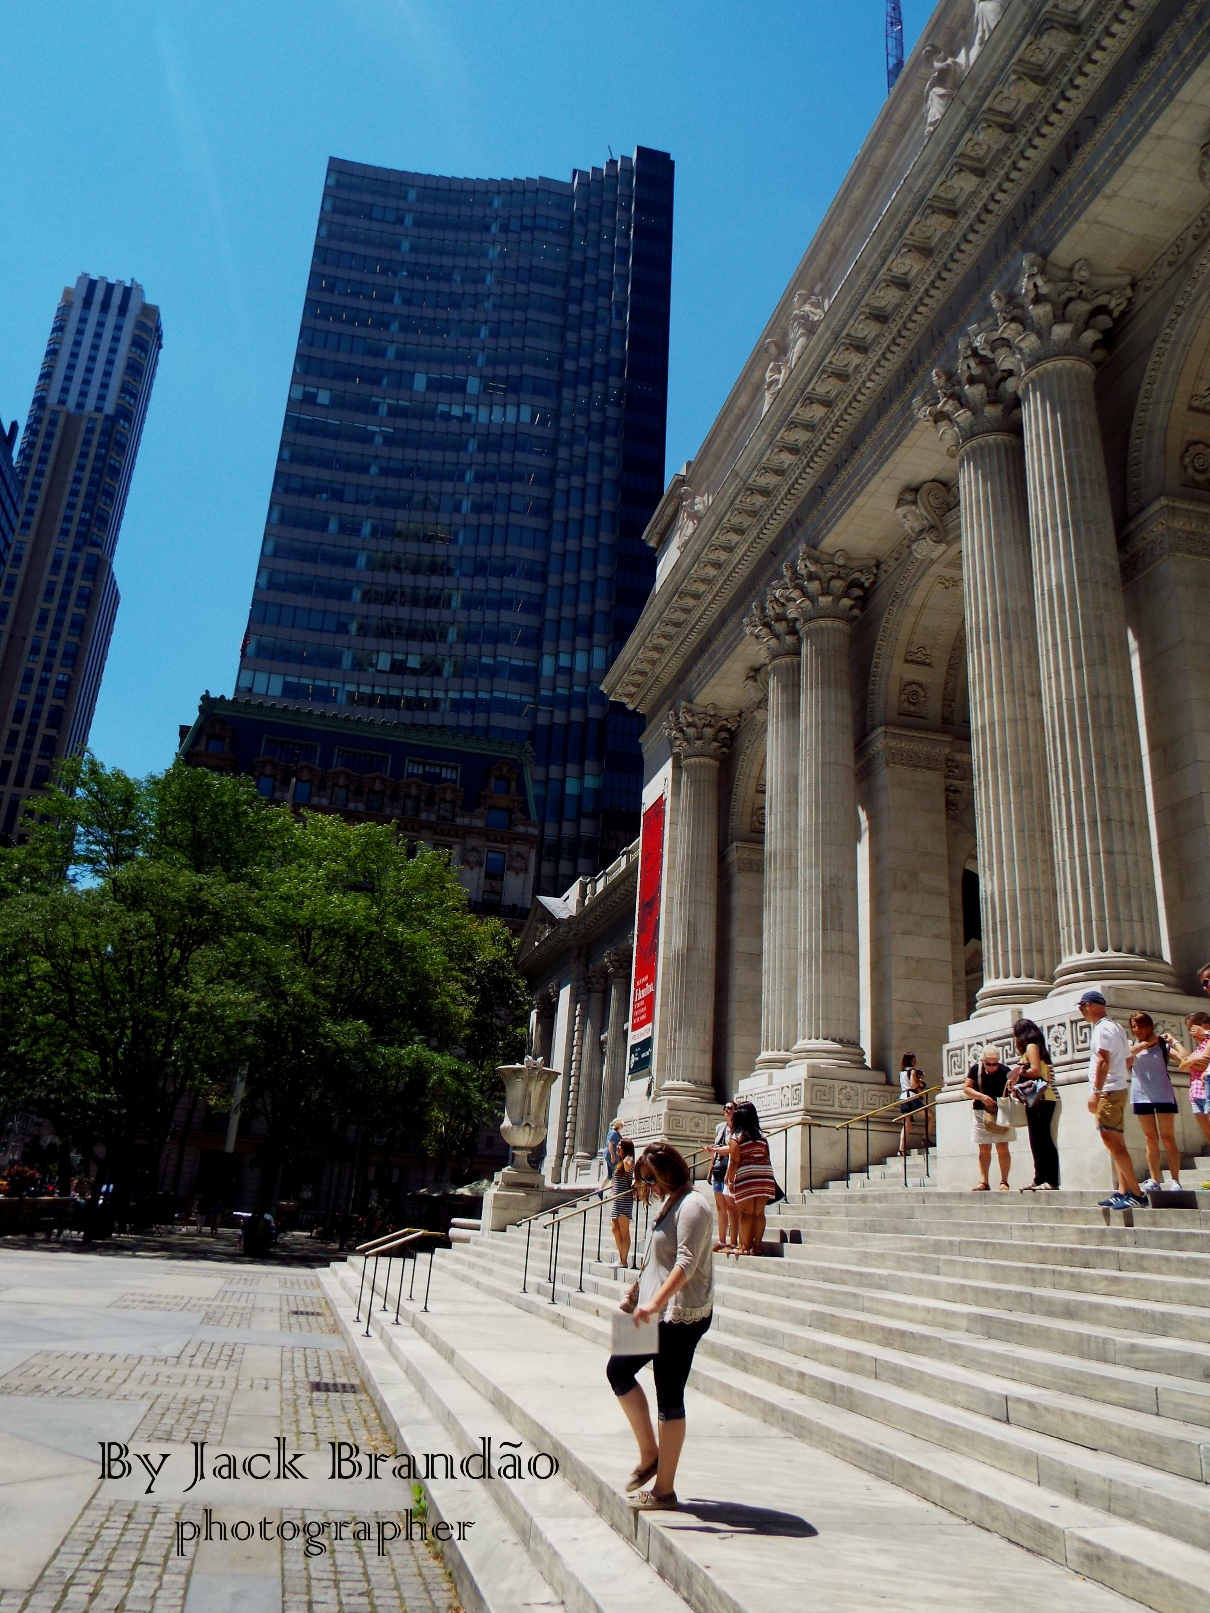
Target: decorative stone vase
526, 1094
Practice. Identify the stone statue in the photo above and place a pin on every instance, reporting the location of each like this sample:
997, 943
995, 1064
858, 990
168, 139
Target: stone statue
809, 309
987, 15
942, 86
775, 374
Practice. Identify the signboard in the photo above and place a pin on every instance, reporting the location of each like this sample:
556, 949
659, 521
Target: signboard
647, 938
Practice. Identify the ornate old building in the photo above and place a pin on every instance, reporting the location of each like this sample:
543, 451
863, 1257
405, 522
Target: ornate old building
931, 603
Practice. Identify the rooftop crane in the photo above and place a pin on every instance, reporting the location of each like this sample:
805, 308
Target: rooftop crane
894, 42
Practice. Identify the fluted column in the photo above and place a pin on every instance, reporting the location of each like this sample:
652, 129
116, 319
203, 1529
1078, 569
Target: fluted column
574, 1050
1108, 913
700, 737
542, 1023
978, 418
613, 1084
778, 638
588, 1110
824, 596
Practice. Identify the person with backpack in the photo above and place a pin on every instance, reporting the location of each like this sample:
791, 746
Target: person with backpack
1032, 1081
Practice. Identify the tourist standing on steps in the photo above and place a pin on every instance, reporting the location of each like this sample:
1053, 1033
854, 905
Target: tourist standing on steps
911, 1098
728, 1211
1153, 1100
986, 1084
1109, 1078
750, 1177
677, 1287
1196, 1063
1032, 1081
621, 1207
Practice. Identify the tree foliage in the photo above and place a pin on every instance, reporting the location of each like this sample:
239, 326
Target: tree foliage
166, 935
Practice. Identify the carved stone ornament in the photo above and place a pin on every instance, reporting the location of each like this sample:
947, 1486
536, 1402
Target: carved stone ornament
618, 961
1061, 313
1195, 463
1203, 167
945, 76
987, 15
809, 309
693, 507
818, 585
769, 624
981, 398
923, 510
913, 699
776, 372
526, 1091
695, 731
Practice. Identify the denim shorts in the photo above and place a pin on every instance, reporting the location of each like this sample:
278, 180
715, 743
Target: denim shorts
1200, 1106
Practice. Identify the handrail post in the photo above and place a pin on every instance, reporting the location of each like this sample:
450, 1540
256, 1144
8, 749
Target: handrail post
365, 1260
403, 1266
370, 1305
583, 1245
429, 1283
868, 1177
386, 1287
412, 1284
810, 1157
525, 1273
847, 1167
554, 1263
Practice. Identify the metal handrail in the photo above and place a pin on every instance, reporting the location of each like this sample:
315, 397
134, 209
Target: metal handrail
400, 1234
402, 1244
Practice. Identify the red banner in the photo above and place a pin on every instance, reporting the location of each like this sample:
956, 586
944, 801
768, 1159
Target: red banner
647, 934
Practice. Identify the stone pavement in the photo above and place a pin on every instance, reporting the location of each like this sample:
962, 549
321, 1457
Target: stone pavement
148, 1356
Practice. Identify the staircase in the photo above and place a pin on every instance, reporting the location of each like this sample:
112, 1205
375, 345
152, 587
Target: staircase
920, 1362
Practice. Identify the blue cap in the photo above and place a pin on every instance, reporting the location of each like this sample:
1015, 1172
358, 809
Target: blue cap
1092, 997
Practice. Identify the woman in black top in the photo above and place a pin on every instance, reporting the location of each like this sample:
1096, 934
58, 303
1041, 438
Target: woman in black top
985, 1082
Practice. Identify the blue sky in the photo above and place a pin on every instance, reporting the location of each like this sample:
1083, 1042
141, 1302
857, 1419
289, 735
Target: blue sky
184, 146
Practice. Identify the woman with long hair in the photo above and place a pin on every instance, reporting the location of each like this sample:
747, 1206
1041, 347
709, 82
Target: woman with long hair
677, 1288
1153, 1100
750, 1176
621, 1203
1032, 1081
911, 1099
1195, 1064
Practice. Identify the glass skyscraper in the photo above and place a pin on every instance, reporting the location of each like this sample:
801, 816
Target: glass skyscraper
473, 446
58, 594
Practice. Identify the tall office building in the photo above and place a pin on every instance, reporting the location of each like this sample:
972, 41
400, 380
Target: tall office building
473, 446
58, 597
10, 492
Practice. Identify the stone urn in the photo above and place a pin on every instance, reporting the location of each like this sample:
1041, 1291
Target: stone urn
526, 1094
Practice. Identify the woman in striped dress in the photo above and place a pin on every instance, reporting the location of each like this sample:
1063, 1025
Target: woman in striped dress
750, 1178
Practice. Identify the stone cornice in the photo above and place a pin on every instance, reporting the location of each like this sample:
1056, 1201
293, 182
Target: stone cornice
1050, 61
903, 747
1167, 527
579, 930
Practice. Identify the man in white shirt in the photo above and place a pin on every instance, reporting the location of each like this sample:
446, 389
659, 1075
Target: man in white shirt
1109, 1079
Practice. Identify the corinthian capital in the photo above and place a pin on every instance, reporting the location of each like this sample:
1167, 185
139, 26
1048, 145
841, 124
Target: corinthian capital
1061, 313
820, 585
981, 398
770, 625
699, 731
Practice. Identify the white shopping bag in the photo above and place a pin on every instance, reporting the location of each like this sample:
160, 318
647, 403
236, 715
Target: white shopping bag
634, 1338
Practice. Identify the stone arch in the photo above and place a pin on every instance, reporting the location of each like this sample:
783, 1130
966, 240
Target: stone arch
748, 779
916, 676
1173, 409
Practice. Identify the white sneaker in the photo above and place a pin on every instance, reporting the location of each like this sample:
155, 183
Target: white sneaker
1151, 1185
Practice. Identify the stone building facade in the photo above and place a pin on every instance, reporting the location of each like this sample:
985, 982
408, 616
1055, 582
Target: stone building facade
931, 605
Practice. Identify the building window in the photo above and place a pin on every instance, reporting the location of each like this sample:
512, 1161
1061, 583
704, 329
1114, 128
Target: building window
374, 801
445, 811
216, 747
290, 750
502, 786
264, 784
432, 772
498, 818
359, 761
302, 789
493, 865
339, 796
411, 806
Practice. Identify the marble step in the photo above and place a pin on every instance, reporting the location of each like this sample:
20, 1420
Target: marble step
1158, 1234
1138, 1433
549, 1386
586, 1565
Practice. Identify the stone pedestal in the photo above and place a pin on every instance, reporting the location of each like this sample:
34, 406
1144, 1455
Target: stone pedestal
1083, 1158
829, 1094
687, 1122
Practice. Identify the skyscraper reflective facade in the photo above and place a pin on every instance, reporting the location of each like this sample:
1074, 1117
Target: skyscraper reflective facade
58, 594
473, 446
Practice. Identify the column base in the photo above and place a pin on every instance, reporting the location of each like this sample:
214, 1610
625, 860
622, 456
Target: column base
826, 1052
1126, 970
773, 1060
585, 1169
1009, 993
504, 1204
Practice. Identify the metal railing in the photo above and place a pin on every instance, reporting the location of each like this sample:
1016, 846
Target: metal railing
404, 1245
596, 1198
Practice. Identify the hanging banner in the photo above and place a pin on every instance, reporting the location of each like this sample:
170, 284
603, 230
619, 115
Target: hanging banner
647, 938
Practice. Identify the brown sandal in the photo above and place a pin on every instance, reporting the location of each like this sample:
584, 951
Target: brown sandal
983, 1187
640, 1476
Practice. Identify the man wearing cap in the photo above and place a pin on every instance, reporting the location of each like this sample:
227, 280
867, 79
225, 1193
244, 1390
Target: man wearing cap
1109, 1078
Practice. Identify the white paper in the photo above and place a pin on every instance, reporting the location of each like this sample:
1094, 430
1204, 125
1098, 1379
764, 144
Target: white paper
631, 1338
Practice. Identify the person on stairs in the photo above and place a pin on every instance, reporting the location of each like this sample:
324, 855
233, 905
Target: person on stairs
1196, 1063
911, 1099
986, 1084
1109, 1079
1032, 1081
728, 1212
621, 1202
750, 1177
677, 1288
1153, 1100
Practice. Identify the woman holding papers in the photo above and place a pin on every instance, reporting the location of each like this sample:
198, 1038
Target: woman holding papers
674, 1301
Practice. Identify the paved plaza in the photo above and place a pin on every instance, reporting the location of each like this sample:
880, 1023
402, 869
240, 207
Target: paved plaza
150, 1357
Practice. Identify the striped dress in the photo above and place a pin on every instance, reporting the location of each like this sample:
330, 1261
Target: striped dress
754, 1179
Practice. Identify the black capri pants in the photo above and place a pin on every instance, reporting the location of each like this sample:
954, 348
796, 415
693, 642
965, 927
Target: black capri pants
678, 1341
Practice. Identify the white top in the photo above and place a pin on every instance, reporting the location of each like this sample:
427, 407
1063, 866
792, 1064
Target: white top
682, 1236
1109, 1037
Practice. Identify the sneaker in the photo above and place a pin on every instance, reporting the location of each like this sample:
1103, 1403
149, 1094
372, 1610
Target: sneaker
1111, 1203
1134, 1201
1152, 1186
1122, 1201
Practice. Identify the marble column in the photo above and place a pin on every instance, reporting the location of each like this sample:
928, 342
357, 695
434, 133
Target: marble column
576, 1052
700, 737
977, 416
588, 1110
542, 1034
771, 627
613, 1082
1108, 914
824, 595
